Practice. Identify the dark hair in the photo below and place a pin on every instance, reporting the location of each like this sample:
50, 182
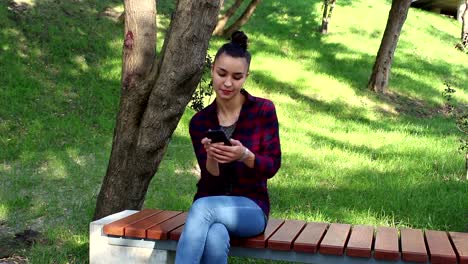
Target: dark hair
236, 48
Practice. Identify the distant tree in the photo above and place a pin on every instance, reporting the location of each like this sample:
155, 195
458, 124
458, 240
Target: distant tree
328, 6
464, 32
223, 19
220, 29
381, 71
154, 94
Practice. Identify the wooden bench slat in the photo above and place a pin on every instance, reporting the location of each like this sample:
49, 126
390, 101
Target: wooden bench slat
335, 239
413, 247
161, 231
259, 241
176, 233
116, 228
284, 237
360, 241
386, 244
310, 237
460, 240
440, 249
138, 229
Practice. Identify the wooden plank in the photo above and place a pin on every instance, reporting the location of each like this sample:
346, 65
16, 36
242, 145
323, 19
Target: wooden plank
439, 247
413, 247
310, 237
176, 233
335, 239
460, 241
360, 241
161, 231
259, 241
284, 237
386, 244
138, 229
117, 228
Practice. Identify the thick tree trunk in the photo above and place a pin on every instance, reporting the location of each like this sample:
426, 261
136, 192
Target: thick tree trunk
327, 13
242, 19
464, 33
219, 29
381, 71
154, 95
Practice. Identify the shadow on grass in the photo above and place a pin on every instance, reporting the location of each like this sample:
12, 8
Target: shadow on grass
61, 103
368, 195
298, 29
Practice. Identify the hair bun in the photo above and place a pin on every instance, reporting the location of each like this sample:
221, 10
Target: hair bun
239, 38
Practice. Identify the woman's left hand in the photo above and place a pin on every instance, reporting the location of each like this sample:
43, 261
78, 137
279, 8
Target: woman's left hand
226, 154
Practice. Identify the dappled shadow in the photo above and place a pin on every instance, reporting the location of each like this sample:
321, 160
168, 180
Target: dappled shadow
346, 113
57, 116
294, 31
53, 157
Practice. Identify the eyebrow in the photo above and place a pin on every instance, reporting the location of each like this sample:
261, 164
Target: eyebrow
235, 73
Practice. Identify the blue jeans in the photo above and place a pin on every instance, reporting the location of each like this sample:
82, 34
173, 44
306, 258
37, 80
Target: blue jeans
209, 223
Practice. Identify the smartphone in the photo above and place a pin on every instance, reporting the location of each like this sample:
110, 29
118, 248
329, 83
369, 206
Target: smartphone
218, 136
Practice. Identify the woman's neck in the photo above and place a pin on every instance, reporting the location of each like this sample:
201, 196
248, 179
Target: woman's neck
228, 111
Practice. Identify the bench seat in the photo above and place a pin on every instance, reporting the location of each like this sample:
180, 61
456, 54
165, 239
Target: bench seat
290, 240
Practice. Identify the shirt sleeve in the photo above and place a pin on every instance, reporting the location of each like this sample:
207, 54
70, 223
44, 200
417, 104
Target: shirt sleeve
196, 135
268, 159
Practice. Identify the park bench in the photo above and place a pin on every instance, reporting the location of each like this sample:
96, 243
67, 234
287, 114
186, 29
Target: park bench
150, 236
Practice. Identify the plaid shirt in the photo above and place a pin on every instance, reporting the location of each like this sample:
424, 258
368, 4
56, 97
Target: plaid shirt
257, 129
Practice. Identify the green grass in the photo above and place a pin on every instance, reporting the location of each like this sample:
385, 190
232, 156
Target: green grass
348, 155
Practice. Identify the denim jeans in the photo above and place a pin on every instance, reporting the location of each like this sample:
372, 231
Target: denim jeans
209, 223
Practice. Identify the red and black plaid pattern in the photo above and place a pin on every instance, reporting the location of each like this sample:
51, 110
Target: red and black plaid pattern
257, 129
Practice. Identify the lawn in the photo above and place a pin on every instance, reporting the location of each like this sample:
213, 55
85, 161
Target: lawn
349, 155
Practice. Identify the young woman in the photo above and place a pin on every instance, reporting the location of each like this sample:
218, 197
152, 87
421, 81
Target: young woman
232, 197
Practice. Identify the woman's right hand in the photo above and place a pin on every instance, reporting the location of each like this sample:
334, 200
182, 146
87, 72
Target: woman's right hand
207, 145
211, 162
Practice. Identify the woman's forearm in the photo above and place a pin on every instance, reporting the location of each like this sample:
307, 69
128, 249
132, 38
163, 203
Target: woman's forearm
212, 167
250, 160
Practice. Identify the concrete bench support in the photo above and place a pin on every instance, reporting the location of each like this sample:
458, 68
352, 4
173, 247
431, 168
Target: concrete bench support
102, 252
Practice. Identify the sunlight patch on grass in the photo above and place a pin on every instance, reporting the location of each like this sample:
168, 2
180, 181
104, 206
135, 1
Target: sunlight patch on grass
80, 61
53, 168
3, 211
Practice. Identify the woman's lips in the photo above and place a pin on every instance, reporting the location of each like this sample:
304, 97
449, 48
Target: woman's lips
226, 91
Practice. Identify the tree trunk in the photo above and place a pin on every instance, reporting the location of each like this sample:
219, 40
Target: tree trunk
224, 18
466, 165
381, 71
327, 13
242, 19
464, 33
154, 94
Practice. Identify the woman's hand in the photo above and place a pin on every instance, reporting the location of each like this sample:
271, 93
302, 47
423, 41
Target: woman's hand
221, 153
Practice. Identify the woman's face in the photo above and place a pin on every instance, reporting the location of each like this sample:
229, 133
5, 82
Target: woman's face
228, 74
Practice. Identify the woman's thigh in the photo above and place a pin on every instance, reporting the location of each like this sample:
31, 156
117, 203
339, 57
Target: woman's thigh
240, 215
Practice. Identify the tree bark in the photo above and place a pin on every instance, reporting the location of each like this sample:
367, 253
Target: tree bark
219, 29
154, 94
327, 13
381, 71
242, 19
464, 33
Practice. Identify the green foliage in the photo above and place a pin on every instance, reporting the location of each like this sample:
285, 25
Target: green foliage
204, 89
460, 116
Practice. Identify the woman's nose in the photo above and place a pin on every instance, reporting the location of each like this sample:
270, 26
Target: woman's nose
227, 82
